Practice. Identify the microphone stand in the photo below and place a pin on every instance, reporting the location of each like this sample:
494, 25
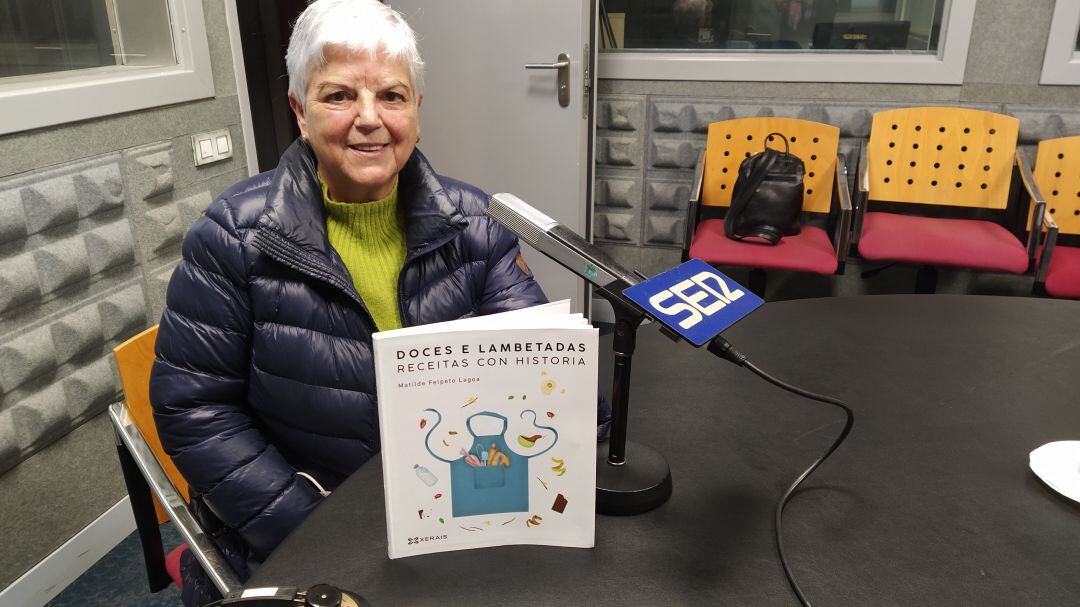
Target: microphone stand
631, 478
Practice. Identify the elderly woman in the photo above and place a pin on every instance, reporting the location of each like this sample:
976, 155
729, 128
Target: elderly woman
263, 388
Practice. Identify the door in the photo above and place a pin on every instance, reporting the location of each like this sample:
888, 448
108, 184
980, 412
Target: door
491, 122
264, 27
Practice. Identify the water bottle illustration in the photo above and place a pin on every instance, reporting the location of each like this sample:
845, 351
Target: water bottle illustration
425, 475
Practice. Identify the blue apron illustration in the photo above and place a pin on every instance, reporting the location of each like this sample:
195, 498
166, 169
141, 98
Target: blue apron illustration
489, 478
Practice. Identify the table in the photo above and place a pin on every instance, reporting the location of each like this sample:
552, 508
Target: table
929, 501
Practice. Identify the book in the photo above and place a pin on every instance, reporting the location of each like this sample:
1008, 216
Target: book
488, 431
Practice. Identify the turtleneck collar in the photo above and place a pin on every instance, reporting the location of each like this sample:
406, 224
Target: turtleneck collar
295, 210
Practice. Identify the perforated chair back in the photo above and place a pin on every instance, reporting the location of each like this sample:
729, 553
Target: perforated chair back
942, 156
731, 141
1057, 172
134, 359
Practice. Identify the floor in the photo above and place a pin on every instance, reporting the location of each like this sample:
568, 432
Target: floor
119, 579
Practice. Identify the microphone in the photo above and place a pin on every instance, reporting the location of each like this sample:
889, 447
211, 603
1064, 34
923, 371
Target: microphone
565, 246
622, 489
636, 478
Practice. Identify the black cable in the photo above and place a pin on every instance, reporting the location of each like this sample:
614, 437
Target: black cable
725, 350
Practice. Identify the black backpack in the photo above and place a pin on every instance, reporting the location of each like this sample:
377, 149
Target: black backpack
768, 194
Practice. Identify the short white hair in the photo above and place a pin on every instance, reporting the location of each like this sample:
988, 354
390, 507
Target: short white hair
356, 25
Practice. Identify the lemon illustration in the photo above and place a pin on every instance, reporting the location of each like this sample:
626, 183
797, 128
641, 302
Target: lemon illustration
547, 386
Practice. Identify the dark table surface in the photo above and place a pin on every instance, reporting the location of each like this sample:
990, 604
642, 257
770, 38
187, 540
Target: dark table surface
930, 501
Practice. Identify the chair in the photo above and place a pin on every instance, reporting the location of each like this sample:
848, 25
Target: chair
1057, 175
146, 467
948, 188
822, 245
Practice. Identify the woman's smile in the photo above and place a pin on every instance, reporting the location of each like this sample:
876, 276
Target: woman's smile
369, 150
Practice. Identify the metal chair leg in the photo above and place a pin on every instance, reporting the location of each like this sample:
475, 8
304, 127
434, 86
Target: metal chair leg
757, 282
142, 506
926, 280
150, 474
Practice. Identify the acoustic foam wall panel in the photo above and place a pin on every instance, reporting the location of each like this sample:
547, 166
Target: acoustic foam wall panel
27, 356
19, 282
670, 153
618, 193
667, 195
619, 164
83, 248
122, 314
77, 333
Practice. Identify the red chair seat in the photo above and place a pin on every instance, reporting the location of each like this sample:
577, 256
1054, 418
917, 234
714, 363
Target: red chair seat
1063, 275
808, 251
172, 565
959, 243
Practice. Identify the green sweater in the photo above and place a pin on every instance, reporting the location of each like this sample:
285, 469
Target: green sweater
370, 238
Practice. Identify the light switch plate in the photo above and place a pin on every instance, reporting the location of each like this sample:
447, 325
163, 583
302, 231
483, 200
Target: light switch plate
211, 147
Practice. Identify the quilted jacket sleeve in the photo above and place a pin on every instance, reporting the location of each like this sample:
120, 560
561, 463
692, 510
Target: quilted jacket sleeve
198, 387
508, 286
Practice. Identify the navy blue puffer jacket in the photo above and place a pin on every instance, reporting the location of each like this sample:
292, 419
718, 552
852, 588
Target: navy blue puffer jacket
264, 360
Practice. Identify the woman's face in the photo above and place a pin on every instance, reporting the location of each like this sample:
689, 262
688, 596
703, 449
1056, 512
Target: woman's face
361, 118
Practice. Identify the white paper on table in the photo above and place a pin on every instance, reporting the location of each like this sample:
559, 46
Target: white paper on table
1058, 465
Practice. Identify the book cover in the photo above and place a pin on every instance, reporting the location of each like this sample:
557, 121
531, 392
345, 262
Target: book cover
488, 430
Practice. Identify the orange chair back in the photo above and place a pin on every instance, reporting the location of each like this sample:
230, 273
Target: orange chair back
1057, 173
731, 141
134, 359
943, 156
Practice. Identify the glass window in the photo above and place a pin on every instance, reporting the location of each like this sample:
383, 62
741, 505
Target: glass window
68, 60
47, 36
893, 41
912, 26
1061, 63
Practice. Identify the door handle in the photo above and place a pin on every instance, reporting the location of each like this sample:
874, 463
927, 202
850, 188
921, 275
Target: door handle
547, 66
562, 64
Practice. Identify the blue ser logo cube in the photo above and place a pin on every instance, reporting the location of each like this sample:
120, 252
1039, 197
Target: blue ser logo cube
695, 300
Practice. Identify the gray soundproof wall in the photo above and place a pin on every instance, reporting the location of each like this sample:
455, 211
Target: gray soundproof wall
649, 135
91, 219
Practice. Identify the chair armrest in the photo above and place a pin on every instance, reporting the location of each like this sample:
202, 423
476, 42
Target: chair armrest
1049, 243
862, 195
1048, 223
864, 168
1037, 202
693, 206
842, 196
199, 542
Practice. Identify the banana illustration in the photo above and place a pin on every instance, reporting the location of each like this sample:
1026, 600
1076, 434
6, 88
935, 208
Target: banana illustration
559, 468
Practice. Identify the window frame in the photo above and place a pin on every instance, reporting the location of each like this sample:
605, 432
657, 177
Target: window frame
946, 67
31, 102
1061, 63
